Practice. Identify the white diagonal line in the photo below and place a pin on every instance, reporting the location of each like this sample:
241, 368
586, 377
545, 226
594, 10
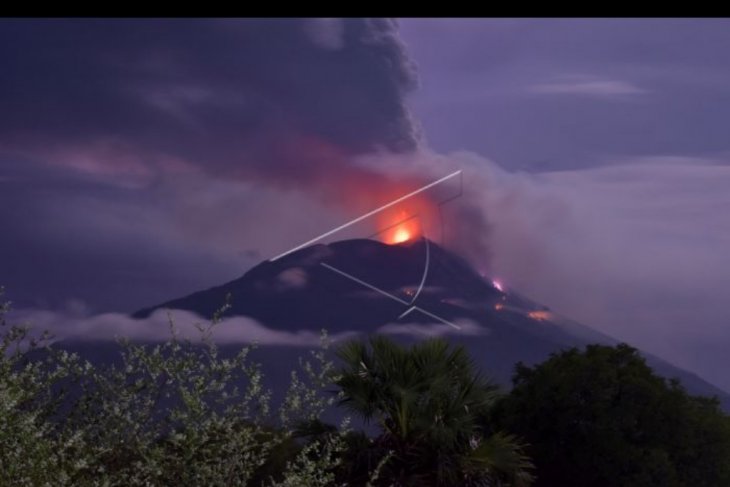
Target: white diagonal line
387, 294
412, 308
437, 317
367, 215
361, 282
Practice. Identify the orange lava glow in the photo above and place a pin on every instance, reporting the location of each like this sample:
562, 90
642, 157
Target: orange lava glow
401, 235
539, 315
498, 306
409, 219
403, 229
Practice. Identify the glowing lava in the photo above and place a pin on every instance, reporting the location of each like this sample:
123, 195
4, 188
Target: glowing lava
410, 220
401, 235
539, 315
403, 229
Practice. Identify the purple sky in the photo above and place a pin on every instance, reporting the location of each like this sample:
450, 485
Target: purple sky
142, 160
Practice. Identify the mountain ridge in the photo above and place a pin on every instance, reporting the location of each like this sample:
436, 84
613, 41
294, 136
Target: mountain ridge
412, 289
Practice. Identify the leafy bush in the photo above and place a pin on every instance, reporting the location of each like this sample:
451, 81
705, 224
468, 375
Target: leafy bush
602, 417
176, 413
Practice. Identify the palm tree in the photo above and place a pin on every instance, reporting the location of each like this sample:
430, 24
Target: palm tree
429, 402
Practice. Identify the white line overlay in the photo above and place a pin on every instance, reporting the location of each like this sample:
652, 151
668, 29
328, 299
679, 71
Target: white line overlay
369, 214
363, 283
388, 295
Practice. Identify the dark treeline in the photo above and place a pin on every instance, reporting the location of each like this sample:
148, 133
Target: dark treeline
180, 413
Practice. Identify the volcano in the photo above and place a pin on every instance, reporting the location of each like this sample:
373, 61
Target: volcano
410, 290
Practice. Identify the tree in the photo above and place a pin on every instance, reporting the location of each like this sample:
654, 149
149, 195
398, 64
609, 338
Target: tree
174, 413
427, 401
601, 417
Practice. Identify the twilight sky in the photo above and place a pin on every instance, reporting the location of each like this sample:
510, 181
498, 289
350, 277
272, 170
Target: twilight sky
142, 160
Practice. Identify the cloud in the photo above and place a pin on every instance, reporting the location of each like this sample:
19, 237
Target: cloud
71, 325
122, 248
636, 249
430, 330
135, 154
582, 85
75, 323
250, 98
166, 153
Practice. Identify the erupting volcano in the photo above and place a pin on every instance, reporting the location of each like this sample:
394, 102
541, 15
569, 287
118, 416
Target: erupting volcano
411, 290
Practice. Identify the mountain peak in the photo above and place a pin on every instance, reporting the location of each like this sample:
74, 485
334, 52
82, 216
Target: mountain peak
412, 289
324, 283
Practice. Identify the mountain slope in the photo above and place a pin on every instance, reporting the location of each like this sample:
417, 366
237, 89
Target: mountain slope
411, 290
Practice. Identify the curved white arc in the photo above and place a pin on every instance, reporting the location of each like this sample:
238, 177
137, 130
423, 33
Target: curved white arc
425, 271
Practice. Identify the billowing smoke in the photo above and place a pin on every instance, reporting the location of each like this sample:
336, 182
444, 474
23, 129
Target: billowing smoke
139, 149
287, 101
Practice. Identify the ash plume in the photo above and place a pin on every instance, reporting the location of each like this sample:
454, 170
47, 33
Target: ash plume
218, 125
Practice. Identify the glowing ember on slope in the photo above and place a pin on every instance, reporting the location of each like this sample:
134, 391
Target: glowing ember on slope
498, 306
498, 285
539, 315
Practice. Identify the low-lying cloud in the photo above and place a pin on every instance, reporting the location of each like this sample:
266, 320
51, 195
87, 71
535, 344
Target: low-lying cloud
431, 330
73, 325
